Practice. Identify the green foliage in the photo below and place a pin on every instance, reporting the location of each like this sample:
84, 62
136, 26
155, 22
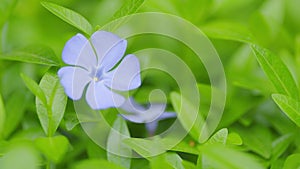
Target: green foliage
33, 54
51, 112
115, 144
69, 16
54, 148
258, 43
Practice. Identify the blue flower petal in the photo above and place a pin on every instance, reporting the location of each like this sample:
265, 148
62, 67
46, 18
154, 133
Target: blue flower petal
98, 96
109, 48
74, 80
78, 51
137, 114
126, 76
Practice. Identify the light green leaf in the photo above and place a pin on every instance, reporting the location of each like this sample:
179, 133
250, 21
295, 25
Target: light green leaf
128, 8
277, 72
145, 147
234, 138
51, 114
228, 31
289, 106
15, 109
174, 160
280, 145
183, 106
69, 16
20, 156
96, 164
33, 54
223, 157
260, 142
115, 144
54, 148
34, 88
292, 162
219, 137
2, 117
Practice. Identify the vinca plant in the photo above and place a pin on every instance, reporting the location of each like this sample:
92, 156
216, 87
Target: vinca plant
149, 84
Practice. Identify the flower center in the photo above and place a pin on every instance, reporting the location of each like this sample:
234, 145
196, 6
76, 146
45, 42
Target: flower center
97, 74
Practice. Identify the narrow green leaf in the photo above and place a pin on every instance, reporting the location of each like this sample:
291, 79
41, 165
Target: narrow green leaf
115, 144
145, 147
219, 137
223, 157
277, 72
184, 108
289, 106
51, 114
33, 54
174, 160
128, 8
260, 142
54, 148
34, 88
234, 138
2, 117
228, 31
95, 164
69, 16
292, 162
280, 145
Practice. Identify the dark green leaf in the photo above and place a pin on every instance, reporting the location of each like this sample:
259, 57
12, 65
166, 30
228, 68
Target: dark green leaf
115, 145
54, 148
69, 16
277, 72
289, 106
33, 54
51, 114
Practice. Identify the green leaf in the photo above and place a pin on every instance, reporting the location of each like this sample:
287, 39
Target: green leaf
51, 114
277, 72
223, 157
260, 142
115, 144
184, 108
174, 160
234, 138
292, 162
129, 7
33, 54
219, 137
228, 31
15, 109
54, 148
20, 156
69, 16
289, 106
2, 117
145, 147
96, 164
34, 88
280, 145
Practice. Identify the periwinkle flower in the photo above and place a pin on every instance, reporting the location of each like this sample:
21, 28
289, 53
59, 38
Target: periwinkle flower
94, 67
137, 113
